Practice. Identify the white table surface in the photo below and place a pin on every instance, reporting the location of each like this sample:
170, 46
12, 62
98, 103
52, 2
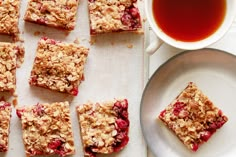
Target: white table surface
165, 52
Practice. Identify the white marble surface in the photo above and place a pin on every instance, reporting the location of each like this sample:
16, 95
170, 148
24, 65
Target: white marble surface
227, 43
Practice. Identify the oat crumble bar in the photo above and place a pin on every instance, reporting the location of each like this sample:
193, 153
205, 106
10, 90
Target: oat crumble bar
113, 16
5, 116
9, 53
9, 16
104, 126
59, 66
193, 117
47, 129
59, 13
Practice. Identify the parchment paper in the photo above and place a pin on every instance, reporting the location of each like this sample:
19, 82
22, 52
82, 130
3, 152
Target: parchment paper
114, 69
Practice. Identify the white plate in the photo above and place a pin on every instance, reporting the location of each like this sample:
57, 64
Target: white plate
214, 72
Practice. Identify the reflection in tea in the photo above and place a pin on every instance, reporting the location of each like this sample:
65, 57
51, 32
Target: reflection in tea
189, 20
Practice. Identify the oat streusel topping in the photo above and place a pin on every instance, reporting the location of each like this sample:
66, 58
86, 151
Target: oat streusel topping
9, 16
47, 129
8, 63
193, 117
104, 126
113, 16
59, 66
5, 116
59, 13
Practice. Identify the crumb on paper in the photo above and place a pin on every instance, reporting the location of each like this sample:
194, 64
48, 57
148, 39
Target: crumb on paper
15, 101
76, 41
36, 33
144, 19
15, 94
92, 41
129, 46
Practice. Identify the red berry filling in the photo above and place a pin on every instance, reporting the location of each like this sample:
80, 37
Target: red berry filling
41, 21
122, 124
56, 146
121, 107
6, 104
123, 140
3, 148
178, 107
74, 91
216, 125
195, 147
131, 18
89, 152
206, 135
162, 113
19, 112
39, 109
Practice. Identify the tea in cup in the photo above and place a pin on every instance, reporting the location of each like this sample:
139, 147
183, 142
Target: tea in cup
189, 24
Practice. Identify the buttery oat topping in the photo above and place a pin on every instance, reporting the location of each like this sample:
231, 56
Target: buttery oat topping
59, 66
11, 56
9, 16
47, 129
104, 126
5, 116
193, 117
59, 13
113, 16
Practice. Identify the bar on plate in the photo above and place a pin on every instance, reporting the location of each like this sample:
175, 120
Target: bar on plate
104, 126
47, 129
193, 117
59, 66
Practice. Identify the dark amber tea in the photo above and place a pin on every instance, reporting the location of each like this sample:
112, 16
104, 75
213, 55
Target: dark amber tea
189, 20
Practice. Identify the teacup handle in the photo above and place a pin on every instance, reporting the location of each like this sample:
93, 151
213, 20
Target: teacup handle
154, 45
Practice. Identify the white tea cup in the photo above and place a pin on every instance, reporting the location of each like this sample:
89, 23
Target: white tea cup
162, 37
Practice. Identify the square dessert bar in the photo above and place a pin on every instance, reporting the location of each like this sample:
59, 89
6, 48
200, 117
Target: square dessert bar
59, 66
9, 16
54, 13
5, 116
104, 126
47, 129
193, 117
113, 16
9, 53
